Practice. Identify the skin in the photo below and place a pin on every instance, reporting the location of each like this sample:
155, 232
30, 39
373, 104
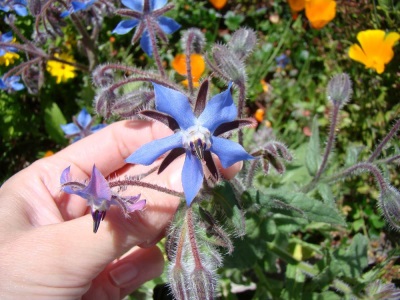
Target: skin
47, 247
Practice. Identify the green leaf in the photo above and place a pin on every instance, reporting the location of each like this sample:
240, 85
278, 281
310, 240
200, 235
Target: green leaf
326, 194
53, 119
313, 156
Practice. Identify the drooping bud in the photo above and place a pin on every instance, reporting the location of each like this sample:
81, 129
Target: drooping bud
230, 66
35, 7
389, 203
272, 153
178, 283
103, 102
127, 105
195, 38
102, 77
339, 89
382, 291
242, 42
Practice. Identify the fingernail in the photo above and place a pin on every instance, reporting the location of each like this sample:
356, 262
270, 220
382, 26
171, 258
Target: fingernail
124, 274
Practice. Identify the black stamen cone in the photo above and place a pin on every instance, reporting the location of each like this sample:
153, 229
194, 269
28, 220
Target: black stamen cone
98, 216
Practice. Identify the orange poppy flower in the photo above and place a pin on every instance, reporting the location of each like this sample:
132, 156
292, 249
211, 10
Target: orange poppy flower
218, 4
376, 48
320, 12
259, 115
297, 5
197, 65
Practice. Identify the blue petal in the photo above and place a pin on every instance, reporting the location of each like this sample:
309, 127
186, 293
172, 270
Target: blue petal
228, 151
2, 52
84, 118
20, 10
175, 104
125, 26
70, 129
65, 175
7, 37
78, 6
192, 177
157, 4
149, 152
17, 86
220, 109
136, 5
168, 25
145, 43
65, 13
97, 188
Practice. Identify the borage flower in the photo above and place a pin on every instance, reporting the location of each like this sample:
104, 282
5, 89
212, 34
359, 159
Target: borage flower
81, 126
19, 6
196, 135
11, 84
147, 17
375, 49
77, 6
99, 195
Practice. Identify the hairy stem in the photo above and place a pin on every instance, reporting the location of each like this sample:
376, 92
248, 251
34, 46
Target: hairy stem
153, 41
145, 185
382, 144
192, 239
188, 65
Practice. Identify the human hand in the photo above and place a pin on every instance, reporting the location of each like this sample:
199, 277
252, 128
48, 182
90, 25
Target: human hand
47, 247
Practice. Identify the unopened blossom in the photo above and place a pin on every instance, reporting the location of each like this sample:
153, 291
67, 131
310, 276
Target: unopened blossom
196, 135
197, 66
320, 12
62, 71
81, 126
375, 49
147, 15
99, 196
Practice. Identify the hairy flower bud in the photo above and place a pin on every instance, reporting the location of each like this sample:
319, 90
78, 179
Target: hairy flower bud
230, 66
339, 89
127, 105
202, 284
178, 283
102, 77
389, 203
195, 38
103, 102
242, 42
35, 7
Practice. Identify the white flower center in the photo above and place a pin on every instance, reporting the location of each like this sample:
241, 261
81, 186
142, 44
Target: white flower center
197, 139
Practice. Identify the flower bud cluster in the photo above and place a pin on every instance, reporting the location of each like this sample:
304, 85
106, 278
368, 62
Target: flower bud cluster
272, 154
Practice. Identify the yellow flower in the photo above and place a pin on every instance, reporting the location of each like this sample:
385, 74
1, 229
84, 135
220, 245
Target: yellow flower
320, 12
297, 5
197, 65
8, 58
62, 71
376, 48
218, 4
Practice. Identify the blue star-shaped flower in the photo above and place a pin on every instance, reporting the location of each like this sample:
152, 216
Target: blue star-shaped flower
282, 61
77, 6
81, 126
99, 195
146, 14
11, 84
19, 6
196, 135
6, 38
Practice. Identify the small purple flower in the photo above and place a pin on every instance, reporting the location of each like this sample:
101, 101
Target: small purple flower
99, 195
282, 61
196, 135
81, 126
78, 6
11, 84
19, 6
6, 38
146, 14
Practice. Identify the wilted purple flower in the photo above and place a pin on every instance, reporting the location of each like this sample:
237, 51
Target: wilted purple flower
19, 6
11, 84
282, 60
81, 126
147, 15
77, 6
196, 135
99, 195
6, 38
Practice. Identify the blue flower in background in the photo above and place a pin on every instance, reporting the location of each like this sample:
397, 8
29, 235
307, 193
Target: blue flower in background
81, 126
282, 60
196, 135
11, 84
6, 38
146, 14
78, 6
19, 6
99, 196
